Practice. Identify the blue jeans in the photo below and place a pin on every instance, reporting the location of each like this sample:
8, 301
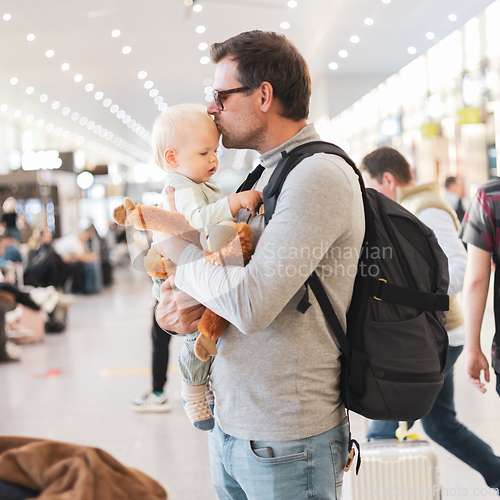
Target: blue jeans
442, 426
302, 469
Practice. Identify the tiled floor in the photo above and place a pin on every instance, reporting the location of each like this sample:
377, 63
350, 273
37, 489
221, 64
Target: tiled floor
104, 357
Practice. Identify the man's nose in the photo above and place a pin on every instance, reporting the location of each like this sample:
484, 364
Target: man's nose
212, 108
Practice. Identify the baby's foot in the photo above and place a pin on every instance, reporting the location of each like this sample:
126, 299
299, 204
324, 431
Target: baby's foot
195, 403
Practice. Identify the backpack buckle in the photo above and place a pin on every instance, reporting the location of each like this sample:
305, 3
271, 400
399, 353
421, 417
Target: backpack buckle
375, 297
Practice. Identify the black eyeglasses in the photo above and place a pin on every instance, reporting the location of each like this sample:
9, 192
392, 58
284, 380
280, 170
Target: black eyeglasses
217, 94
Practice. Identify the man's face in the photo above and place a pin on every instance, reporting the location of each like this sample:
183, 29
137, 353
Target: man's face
239, 121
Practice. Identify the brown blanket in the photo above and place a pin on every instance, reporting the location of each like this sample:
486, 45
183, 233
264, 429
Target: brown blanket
64, 471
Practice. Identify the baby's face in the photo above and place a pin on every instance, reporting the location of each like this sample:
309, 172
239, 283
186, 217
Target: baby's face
197, 154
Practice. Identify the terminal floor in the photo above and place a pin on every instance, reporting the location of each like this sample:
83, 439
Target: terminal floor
77, 386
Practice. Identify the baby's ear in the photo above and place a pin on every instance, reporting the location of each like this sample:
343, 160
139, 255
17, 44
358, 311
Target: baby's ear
170, 156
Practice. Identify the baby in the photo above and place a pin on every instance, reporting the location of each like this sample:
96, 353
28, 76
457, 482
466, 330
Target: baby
185, 144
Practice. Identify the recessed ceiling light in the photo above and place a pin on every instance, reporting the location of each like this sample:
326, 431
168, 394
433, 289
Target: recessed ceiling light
452, 17
30, 37
200, 29
126, 119
4, 108
343, 53
292, 4
333, 66
66, 111
284, 25
142, 75
153, 92
56, 104
43, 98
107, 103
75, 116
83, 121
114, 108
30, 90
354, 39
386, 1
203, 46
98, 96
17, 113
7, 17
89, 87
412, 50
208, 90
90, 125
66, 134
127, 49
40, 123
49, 53
120, 114
13, 80
430, 35
80, 140
207, 81
78, 78
29, 118
369, 21
148, 84
158, 100
205, 60
50, 127
65, 66
197, 8
116, 33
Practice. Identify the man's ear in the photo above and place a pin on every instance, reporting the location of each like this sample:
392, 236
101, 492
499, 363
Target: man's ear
266, 96
389, 180
170, 156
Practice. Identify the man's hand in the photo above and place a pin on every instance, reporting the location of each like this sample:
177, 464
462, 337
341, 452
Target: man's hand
476, 363
177, 311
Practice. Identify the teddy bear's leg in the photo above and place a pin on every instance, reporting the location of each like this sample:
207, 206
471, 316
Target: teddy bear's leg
204, 348
212, 325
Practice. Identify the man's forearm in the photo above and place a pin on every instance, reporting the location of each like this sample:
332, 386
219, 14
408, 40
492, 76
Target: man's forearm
475, 294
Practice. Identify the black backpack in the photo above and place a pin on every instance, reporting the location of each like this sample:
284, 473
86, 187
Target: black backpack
395, 348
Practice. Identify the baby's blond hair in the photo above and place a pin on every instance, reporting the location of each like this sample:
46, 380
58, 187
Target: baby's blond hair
173, 122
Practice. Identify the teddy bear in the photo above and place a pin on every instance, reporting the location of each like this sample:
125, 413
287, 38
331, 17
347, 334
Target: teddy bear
226, 243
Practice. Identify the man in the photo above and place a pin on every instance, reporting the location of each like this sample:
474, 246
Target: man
387, 171
281, 431
479, 231
454, 196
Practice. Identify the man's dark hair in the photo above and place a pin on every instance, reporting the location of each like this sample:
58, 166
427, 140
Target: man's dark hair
449, 181
386, 159
265, 56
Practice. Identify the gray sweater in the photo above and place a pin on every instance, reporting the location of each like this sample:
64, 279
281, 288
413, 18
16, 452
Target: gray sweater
276, 374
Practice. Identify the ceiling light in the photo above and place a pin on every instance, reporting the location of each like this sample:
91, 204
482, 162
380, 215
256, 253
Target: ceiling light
412, 50
354, 39
97, 129
49, 127
90, 125
163, 106
75, 116
148, 84
158, 100
109, 136
85, 179
127, 49
126, 119
114, 108
197, 8
205, 60
78, 78
142, 75
80, 141
43, 98
284, 25
58, 131
116, 33
89, 87
98, 96
29, 118
369, 21
56, 104
65, 66
66, 111
13, 80
292, 4
203, 46
83, 121
430, 35
343, 54
153, 92
30, 90
452, 17
40, 123
107, 103
120, 114
207, 81
49, 53
333, 66
66, 134
208, 90
386, 1
4, 108
208, 98
30, 37
7, 17
17, 113
200, 29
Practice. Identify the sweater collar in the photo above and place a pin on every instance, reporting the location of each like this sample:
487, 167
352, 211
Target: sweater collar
408, 192
307, 134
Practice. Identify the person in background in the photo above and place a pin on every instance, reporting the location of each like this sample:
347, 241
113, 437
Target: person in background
454, 195
387, 171
9, 250
480, 231
9, 218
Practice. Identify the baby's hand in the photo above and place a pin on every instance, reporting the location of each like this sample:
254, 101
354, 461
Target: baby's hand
250, 200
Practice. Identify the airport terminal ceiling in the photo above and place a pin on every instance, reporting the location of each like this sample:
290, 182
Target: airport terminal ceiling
102, 70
